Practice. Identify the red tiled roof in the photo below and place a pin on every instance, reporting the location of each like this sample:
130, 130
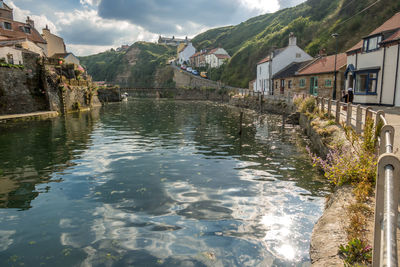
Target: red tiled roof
222, 56
325, 65
16, 32
391, 24
268, 58
196, 54
212, 51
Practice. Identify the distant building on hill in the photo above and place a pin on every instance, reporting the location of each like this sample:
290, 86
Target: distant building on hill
173, 41
122, 48
216, 57
185, 51
276, 61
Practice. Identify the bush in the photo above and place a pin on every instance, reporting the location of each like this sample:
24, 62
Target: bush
356, 251
308, 105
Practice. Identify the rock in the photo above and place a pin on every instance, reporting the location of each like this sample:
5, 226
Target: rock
329, 232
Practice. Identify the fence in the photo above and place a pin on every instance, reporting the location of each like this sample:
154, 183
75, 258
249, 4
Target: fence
388, 174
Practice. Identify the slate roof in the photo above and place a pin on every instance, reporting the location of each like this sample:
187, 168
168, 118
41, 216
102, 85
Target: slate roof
291, 70
17, 32
268, 58
324, 65
390, 25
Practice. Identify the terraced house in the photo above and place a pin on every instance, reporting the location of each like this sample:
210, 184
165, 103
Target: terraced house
373, 66
277, 61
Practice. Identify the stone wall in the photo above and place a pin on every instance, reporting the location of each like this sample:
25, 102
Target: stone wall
184, 79
109, 95
36, 88
79, 97
21, 90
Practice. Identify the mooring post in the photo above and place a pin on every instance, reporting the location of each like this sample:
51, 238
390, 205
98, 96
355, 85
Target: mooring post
241, 124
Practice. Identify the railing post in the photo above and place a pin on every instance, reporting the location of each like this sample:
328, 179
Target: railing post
359, 119
378, 118
368, 114
323, 105
349, 114
329, 107
337, 116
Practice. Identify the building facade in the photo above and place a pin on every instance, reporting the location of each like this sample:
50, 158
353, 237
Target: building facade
11, 55
373, 66
173, 41
55, 44
185, 51
216, 57
275, 62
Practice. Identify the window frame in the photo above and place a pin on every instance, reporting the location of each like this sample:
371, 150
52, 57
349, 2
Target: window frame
328, 82
366, 43
7, 23
367, 90
302, 83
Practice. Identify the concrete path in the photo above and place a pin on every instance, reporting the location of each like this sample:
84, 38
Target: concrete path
27, 116
392, 115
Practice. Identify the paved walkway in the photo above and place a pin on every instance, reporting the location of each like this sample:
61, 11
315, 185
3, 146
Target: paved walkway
392, 115
34, 115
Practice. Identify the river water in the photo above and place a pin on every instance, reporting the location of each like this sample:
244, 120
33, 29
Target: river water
156, 183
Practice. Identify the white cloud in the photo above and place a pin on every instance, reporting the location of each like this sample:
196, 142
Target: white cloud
262, 6
40, 21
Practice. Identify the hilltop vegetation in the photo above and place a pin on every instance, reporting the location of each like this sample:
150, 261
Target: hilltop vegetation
313, 22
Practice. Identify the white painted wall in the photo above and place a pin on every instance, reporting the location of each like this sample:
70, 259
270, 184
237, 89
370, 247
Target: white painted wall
212, 60
291, 54
387, 72
186, 53
17, 55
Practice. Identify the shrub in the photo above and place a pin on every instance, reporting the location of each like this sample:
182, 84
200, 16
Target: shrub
356, 251
354, 164
308, 105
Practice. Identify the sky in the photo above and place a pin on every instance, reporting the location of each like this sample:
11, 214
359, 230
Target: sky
92, 26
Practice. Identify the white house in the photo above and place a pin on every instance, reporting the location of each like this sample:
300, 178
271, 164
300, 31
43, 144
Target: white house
216, 57
185, 51
11, 55
279, 59
373, 66
69, 58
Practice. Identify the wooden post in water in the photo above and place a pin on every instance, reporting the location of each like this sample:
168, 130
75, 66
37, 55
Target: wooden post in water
241, 124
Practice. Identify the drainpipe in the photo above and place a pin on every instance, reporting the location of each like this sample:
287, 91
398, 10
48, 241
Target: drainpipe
397, 73
383, 74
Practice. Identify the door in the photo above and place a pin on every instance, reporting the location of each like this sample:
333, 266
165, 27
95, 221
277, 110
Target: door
282, 86
314, 86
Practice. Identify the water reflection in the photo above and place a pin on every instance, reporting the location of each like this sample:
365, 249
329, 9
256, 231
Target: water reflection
157, 183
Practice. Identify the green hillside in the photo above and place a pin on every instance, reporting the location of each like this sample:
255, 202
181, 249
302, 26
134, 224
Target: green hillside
313, 22
135, 67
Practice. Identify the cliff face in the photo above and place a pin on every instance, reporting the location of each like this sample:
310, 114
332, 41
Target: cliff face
137, 67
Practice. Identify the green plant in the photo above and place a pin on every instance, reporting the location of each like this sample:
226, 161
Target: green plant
308, 105
356, 251
76, 106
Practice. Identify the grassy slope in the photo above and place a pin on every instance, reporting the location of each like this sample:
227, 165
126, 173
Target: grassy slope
313, 22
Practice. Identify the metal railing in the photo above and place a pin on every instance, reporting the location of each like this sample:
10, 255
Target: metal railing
387, 199
388, 172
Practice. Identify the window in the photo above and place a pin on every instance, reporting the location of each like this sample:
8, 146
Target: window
27, 30
7, 26
10, 59
298, 55
302, 82
372, 44
289, 85
328, 83
366, 82
260, 70
282, 83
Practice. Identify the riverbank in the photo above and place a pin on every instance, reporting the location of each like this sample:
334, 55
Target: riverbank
29, 116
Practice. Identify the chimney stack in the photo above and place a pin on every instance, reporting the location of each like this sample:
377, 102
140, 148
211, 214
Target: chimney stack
30, 22
292, 39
